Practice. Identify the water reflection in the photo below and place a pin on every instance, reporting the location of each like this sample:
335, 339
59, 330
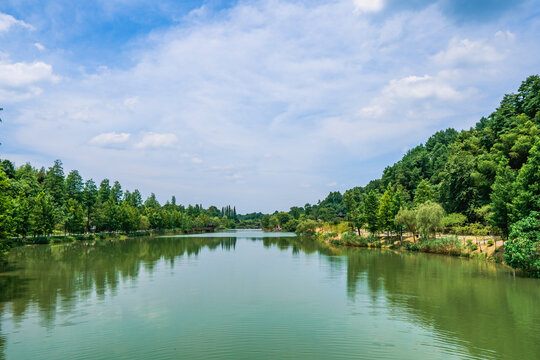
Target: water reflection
475, 304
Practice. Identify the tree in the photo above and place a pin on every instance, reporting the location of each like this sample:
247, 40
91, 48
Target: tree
74, 222
89, 200
429, 219
407, 219
527, 197
371, 209
74, 186
502, 196
116, 192
306, 227
22, 212
522, 250
265, 222
104, 192
6, 208
385, 213
423, 192
451, 221
43, 214
54, 183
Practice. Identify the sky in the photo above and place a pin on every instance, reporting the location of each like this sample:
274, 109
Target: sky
259, 104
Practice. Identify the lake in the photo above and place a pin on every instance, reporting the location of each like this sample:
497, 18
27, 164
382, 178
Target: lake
253, 295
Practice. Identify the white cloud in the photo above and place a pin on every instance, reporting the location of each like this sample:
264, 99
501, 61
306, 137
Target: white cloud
368, 5
23, 74
157, 140
462, 52
421, 87
39, 46
7, 21
332, 184
111, 138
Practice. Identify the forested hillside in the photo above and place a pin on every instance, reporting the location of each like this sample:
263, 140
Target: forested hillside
478, 181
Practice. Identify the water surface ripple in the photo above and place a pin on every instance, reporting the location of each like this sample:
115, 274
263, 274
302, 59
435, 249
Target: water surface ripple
251, 295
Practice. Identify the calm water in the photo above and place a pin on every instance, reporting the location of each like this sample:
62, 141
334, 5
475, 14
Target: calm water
246, 294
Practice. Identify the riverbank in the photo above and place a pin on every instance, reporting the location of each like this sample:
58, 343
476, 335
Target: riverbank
73, 238
489, 250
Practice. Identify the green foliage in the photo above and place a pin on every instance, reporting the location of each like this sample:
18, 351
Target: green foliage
429, 219
371, 209
522, 250
423, 192
386, 210
6, 209
306, 227
74, 221
407, 219
528, 185
452, 222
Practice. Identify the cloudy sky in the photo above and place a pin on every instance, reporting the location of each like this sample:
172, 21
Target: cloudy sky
260, 104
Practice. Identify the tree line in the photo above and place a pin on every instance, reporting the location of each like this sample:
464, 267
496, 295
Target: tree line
36, 203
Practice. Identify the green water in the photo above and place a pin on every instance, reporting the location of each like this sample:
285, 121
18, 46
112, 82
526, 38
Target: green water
249, 295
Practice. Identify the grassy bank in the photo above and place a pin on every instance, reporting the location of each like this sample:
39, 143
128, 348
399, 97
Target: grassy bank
447, 245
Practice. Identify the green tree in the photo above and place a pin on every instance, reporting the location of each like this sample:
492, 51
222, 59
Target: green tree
6, 209
501, 199
527, 197
407, 219
371, 209
306, 227
423, 192
54, 183
429, 219
22, 212
522, 250
43, 214
74, 186
89, 200
116, 192
104, 192
265, 222
386, 214
74, 221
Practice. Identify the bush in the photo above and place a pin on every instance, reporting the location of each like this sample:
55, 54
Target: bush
472, 246
306, 227
490, 242
522, 250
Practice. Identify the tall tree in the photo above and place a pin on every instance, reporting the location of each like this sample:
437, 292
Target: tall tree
385, 213
501, 199
54, 183
90, 198
104, 192
6, 209
371, 209
528, 185
43, 214
116, 192
74, 185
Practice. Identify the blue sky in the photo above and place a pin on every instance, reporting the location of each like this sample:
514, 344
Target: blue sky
260, 104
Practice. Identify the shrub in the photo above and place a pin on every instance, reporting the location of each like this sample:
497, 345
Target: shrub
522, 250
306, 227
472, 246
